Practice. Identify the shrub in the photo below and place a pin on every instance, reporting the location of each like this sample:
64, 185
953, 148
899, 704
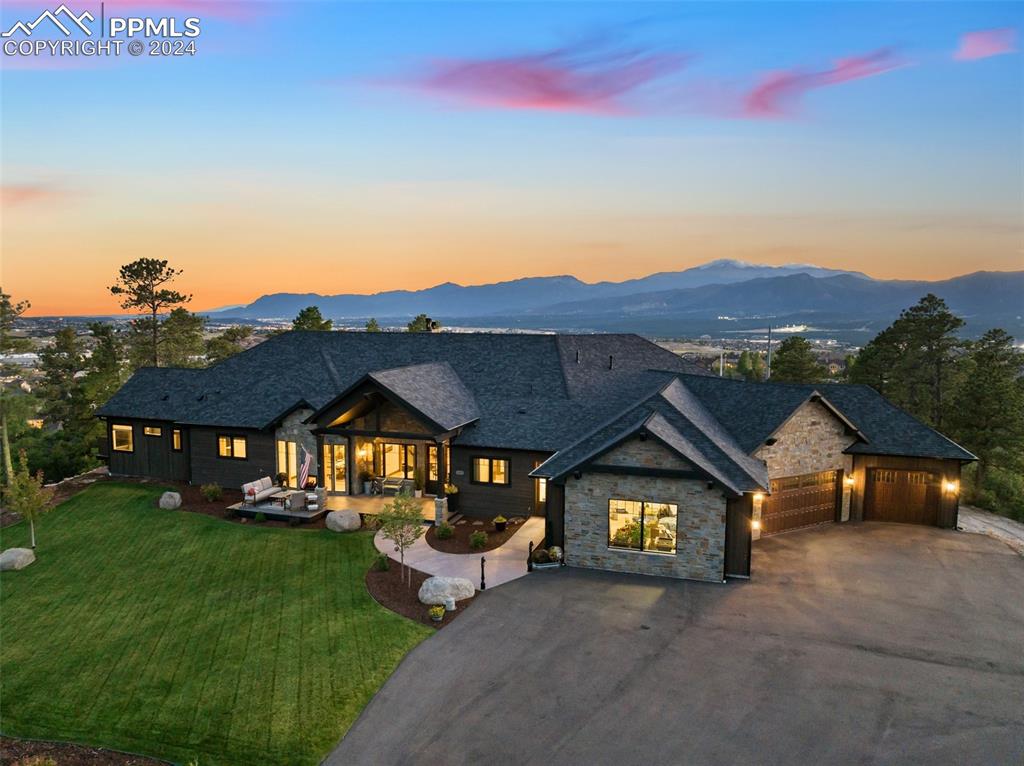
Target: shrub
371, 522
451, 489
1002, 492
436, 612
478, 539
541, 556
445, 531
259, 518
382, 563
211, 492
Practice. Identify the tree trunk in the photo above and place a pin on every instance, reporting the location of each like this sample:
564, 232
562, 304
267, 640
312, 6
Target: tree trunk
156, 340
6, 446
32, 531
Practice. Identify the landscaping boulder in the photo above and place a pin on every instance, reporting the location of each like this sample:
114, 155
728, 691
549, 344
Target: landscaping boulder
437, 590
170, 500
343, 521
16, 558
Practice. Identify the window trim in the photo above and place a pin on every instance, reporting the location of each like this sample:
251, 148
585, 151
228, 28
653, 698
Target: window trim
159, 432
176, 436
113, 442
490, 471
641, 549
231, 440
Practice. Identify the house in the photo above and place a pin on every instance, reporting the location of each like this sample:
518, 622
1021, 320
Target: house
638, 461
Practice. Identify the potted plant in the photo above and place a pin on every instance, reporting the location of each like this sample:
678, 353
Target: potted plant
451, 491
500, 522
417, 478
436, 613
367, 479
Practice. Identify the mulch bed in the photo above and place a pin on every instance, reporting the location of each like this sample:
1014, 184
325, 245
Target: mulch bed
192, 501
390, 591
459, 542
21, 752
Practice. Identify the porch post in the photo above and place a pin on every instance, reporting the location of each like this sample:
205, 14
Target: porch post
441, 469
321, 469
350, 464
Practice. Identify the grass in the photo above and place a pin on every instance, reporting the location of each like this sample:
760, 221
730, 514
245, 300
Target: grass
182, 636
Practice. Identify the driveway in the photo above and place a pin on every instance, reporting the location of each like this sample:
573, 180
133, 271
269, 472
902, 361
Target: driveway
854, 644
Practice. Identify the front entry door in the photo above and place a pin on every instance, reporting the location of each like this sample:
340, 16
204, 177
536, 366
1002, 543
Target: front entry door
335, 469
432, 482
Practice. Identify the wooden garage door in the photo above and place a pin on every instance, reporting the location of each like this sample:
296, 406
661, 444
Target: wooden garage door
909, 497
799, 501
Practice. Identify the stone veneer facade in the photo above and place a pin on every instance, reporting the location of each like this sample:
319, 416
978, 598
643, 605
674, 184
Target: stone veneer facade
811, 441
700, 525
292, 429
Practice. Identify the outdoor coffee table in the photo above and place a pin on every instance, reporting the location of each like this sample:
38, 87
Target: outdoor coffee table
280, 498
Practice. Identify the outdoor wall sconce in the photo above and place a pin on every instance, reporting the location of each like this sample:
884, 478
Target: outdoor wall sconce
758, 497
849, 481
755, 524
951, 487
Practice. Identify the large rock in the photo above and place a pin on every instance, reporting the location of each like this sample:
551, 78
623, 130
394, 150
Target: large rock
16, 558
170, 500
435, 590
343, 521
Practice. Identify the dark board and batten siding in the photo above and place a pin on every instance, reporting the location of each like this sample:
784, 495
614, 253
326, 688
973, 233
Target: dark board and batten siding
517, 498
208, 467
152, 456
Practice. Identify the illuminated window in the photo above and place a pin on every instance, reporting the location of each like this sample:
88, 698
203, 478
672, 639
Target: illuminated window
542, 490
642, 526
122, 438
287, 461
176, 439
153, 431
489, 470
233, 447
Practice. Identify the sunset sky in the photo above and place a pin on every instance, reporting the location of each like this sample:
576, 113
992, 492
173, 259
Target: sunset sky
337, 147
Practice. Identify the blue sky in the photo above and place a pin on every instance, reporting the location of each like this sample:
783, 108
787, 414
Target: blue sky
352, 147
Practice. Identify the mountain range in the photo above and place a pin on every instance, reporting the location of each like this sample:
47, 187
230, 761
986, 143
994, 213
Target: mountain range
723, 296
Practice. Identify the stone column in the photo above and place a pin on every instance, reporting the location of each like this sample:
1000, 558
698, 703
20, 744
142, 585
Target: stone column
440, 510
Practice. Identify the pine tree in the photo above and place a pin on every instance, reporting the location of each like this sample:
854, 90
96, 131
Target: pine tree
142, 284
310, 318
794, 362
9, 313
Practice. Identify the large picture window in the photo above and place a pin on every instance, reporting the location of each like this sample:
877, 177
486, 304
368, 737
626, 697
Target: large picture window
231, 447
121, 437
490, 470
642, 526
398, 461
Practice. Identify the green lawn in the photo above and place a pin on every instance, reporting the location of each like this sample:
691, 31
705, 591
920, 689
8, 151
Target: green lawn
182, 636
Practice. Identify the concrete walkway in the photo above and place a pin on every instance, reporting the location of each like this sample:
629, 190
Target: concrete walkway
503, 565
981, 522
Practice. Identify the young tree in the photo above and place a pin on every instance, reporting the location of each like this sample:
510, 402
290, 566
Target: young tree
987, 410
142, 284
372, 325
310, 318
183, 339
27, 496
9, 313
402, 523
423, 323
227, 344
794, 362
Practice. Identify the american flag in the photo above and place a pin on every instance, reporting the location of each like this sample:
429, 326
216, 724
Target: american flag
307, 463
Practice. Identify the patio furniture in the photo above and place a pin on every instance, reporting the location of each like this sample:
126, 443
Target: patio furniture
258, 490
289, 499
394, 485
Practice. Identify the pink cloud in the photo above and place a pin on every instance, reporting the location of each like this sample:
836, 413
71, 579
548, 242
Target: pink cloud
778, 93
985, 43
22, 194
582, 79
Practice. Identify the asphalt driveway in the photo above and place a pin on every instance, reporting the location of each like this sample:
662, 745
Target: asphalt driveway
854, 644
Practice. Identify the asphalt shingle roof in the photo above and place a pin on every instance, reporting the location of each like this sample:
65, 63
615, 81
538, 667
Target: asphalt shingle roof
534, 392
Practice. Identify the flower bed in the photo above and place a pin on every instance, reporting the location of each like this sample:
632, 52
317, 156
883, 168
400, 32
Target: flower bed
390, 591
459, 541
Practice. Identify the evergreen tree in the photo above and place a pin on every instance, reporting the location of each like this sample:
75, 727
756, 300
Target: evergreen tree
227, 344
794, 362
9, 344
423, 323
310, 318
62, 387
182, 342
105, 368
142, 284
372, 325
987, 410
